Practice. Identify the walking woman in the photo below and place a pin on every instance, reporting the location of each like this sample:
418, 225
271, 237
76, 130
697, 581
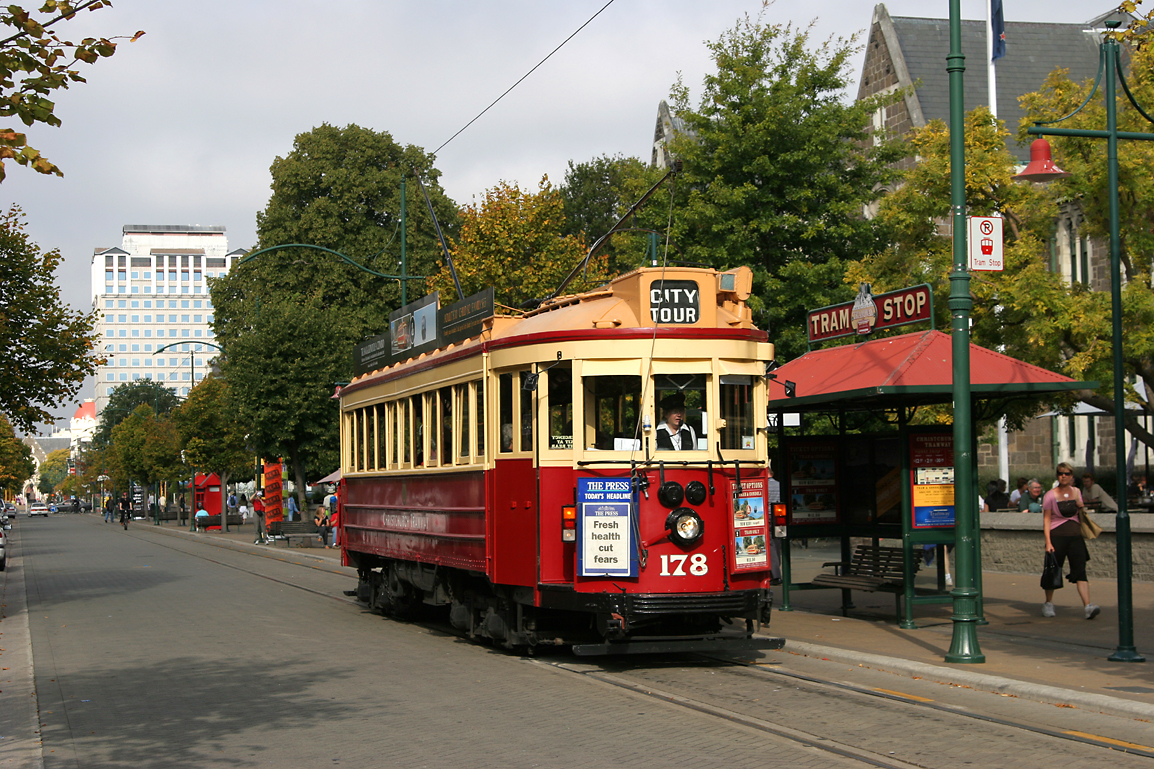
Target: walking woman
1060, 507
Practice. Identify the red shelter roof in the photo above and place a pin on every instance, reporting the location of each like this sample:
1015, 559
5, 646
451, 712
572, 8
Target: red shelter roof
911, 368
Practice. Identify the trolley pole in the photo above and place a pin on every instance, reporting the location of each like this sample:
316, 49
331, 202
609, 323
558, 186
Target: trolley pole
964, 646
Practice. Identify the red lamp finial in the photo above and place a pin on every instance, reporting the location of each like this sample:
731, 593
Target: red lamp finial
1041, 167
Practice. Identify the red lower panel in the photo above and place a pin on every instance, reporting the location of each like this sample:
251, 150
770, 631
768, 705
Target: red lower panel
433, 519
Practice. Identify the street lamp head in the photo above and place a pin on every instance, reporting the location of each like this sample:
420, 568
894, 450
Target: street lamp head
1041, 167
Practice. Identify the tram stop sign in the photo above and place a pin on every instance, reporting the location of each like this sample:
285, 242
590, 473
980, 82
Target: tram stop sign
985, 241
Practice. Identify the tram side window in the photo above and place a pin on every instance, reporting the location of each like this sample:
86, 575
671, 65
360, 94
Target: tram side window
526, 414
417, 404
740, 431
682, 412
446, 425
561, 407
433, 418
480, 402
612, 407
462, 424
379, 437
359, 439
505, 417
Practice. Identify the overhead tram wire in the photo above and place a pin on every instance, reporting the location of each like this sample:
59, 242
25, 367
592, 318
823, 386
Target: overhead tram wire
530, 72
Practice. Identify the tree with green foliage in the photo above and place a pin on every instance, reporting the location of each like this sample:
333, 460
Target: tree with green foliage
146, 448
1027, 311
778, 167
53, 471
513, 242
1074, 323
212, 433
48, 347
16, 465
34, 62
288, 320
597, 193
282, 376
126, 398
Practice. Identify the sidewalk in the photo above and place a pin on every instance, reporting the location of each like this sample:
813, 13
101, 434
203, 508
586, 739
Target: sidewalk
1060, 660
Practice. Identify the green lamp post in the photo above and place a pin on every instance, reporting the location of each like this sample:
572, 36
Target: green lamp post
964, 645
1041, 169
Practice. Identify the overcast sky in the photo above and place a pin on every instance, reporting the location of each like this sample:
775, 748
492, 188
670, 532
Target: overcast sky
181, 126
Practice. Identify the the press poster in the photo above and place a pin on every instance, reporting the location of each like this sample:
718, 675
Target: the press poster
749, 526
932, 479
813, 482
606, 547
272, 492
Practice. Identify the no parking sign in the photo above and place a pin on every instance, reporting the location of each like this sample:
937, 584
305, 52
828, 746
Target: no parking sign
985, 243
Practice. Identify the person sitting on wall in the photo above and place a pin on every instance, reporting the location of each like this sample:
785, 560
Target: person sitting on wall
673, 434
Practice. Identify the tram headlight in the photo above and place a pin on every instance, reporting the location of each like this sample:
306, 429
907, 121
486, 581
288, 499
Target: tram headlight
685, 526
670, 494
695, 492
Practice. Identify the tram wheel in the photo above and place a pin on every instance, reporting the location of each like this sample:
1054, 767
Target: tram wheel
401, 597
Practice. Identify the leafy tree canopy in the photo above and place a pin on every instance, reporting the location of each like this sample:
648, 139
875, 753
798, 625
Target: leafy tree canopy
597, 193
16, 465
1075, 324
48, 348
211, 431
778, 166
1027, 311
34, 62
125, 399
340, 189
53, 471
514, 241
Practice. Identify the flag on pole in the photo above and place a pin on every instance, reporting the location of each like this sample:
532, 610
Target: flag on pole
998, 27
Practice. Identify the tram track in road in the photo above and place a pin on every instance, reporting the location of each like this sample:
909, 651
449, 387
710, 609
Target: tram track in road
1084, 738
830, 742
681, 699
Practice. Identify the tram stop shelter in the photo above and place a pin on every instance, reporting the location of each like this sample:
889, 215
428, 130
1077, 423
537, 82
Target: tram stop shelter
851, 482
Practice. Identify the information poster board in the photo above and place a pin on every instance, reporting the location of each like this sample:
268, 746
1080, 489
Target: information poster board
749, 526
932, 479
813, 482
605, 539
272, 492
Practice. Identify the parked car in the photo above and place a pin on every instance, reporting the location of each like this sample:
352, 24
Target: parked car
3, 549
37, 508
69, 506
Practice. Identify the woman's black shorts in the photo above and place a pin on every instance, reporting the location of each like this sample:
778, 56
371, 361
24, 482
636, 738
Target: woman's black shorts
1075, 548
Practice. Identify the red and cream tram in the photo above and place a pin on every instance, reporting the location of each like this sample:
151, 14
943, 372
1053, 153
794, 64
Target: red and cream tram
592, 472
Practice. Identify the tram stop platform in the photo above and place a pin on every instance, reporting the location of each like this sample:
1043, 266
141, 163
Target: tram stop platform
1062, 660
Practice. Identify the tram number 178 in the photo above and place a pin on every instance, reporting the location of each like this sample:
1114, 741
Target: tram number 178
698, 565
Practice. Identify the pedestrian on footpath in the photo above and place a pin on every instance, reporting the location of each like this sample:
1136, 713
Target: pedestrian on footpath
108, 505
242, 508
322, 522
258, 511
335, 525
1063, 534
125, 508
291, 508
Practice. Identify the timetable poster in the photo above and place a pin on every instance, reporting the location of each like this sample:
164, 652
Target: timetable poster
813, 482
932, 479
750, 526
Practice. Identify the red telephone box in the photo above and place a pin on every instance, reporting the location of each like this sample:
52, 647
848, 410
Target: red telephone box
207, 495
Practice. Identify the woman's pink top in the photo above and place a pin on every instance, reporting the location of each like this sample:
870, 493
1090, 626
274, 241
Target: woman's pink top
1050, 502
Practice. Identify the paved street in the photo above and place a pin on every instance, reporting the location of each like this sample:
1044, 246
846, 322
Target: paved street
152, 648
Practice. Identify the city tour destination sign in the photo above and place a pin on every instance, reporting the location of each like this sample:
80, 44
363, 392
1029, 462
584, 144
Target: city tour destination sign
868, 313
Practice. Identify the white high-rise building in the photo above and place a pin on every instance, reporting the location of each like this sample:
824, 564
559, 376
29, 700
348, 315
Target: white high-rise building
152, 292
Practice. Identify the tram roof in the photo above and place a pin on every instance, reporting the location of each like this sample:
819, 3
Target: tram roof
911, 369
620, 309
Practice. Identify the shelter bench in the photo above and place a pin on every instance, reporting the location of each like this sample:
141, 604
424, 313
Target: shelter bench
203, 522
304, 533
871, 570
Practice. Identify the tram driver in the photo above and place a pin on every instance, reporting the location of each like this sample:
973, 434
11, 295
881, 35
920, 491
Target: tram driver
673, 434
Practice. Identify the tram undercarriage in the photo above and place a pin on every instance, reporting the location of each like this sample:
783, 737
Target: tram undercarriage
592, 623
